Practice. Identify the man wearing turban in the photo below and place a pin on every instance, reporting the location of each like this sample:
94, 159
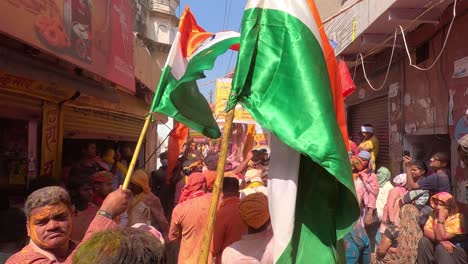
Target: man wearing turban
257, 245
144, 205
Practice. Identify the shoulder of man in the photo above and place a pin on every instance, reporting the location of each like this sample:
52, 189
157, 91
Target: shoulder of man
27, 255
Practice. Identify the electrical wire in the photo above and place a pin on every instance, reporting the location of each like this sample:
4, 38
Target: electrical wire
388, 68
443, 46
415, 20
402, 32
156, 150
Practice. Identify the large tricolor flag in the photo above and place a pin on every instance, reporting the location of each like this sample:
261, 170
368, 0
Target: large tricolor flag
192, 52
287, 78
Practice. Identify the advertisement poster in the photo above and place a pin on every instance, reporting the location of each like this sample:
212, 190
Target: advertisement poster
96, 35
223, 87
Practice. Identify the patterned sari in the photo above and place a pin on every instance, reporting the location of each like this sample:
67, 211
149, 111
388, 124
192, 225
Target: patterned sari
404, 238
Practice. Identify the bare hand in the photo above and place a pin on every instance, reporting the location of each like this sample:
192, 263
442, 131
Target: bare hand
448, 246
363, 176
442, 213
407, 160
117, 202
249, 155
393, 250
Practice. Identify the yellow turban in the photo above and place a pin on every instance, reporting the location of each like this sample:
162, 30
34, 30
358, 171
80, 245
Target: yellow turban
141, 178
254, 210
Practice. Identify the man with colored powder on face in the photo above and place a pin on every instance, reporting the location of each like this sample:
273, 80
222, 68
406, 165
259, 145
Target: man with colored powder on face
49, 224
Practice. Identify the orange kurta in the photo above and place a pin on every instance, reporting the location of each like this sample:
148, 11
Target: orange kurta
229, 227
188, 224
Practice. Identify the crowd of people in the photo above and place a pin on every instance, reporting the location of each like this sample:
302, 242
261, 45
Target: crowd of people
409, 218
89, 218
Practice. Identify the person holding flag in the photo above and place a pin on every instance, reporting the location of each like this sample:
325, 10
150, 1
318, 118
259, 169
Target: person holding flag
288, 79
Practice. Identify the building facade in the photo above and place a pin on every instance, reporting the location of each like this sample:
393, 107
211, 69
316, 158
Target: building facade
71, 72
417, 110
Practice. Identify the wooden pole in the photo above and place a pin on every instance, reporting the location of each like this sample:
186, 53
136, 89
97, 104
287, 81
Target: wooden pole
131, 167
206, 242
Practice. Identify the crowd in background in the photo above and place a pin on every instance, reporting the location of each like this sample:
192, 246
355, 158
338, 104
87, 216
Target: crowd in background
409, 218
161, 218
88, 218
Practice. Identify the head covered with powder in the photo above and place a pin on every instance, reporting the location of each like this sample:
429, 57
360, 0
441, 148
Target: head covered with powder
121, 246
48, 216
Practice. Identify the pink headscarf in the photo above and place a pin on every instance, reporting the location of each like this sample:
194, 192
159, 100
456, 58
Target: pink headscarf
194, 187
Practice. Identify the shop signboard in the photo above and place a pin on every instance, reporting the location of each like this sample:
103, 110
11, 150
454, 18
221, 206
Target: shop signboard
50, 124
223, 88
94, 35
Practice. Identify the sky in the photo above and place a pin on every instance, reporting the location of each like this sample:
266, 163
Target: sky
215, 16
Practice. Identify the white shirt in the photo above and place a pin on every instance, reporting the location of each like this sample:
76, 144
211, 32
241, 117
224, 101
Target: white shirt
382, 198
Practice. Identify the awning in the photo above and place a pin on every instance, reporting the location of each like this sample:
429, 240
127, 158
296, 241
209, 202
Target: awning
373, 25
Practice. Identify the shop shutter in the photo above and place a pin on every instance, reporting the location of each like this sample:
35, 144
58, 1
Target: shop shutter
20, 106
374, 112
81, 123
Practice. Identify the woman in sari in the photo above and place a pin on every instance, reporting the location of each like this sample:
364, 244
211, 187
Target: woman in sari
443, 233
400, 244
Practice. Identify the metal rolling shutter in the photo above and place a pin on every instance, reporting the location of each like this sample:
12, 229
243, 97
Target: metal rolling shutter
15, 102
96, 124
374, 112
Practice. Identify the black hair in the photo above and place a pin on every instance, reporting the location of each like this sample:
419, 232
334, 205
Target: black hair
230, 185
420, 165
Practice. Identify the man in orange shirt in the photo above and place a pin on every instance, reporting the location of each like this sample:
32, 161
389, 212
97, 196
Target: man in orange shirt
229, 226
188, 224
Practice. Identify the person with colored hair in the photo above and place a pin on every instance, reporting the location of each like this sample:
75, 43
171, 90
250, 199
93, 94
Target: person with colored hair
257, 245
121, 246
443, 240
144, 205
399, 244
434, 183
48, 221
229, 226
370, 143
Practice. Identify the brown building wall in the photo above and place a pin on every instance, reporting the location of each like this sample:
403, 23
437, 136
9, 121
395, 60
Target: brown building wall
429, 102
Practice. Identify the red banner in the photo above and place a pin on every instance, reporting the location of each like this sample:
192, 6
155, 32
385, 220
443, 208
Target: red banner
94, 35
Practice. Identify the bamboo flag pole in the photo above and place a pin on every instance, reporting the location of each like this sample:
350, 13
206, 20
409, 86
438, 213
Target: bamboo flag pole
131, 167
206, 242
